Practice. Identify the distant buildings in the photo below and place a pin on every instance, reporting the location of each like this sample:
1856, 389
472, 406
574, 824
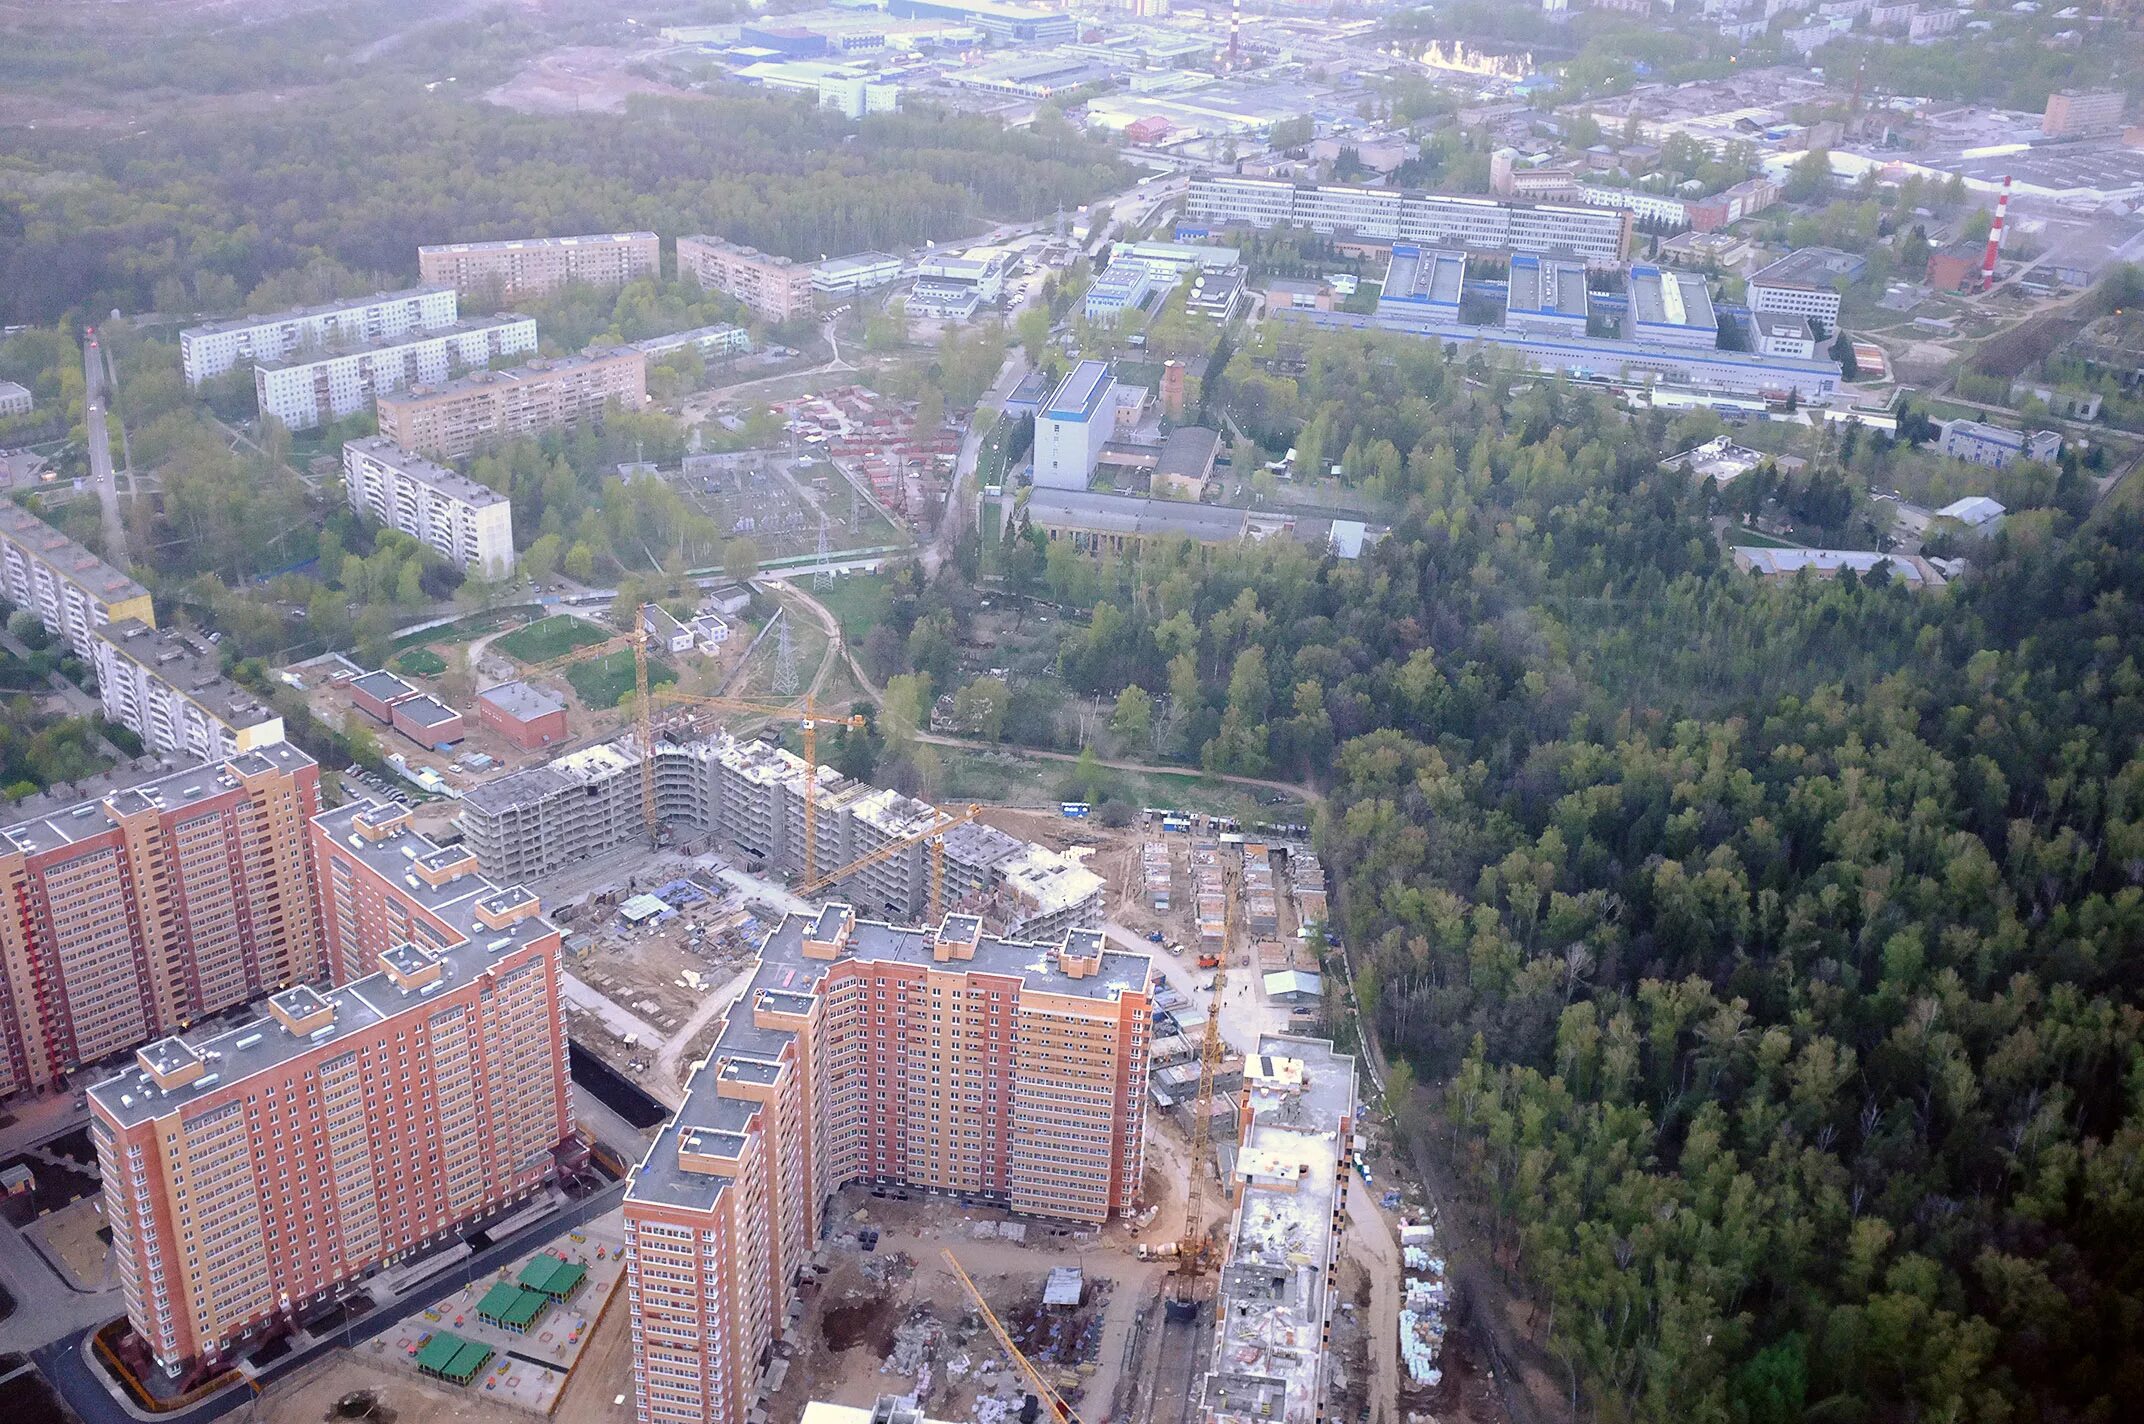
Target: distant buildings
1977, 514
450, 421
1544, 297
167, 687
1995, 447
953, 286
1779, 335
1597, 236
469, 525
524, 267
15, 400
72, 591
2071, 112
250, 1174
772, 287
1021, 24
717, 343
1766, 562
208, 351
150, 903
311, 388
844, 88
1073, 425
1806, 282
1670, 308
1120, 288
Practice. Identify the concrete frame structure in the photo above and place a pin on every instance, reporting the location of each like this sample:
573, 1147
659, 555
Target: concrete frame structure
250, 1174
138, 909
1598, 236
774, 287
751, 795
467, 524
72, 591
938, 1058
308, 389
1279, 1286
208, 351
525, 266
1073, 426
167, 687
450, 421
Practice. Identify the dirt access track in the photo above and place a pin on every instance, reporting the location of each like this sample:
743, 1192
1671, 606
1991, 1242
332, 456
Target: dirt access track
581, 79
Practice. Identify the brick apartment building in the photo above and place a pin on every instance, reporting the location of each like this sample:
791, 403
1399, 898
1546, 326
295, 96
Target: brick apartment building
251, 1174
774, 287
508, 271
938, 1057
449, 421
130, 913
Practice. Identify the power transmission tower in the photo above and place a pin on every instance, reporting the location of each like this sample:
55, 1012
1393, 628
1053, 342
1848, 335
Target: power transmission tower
856, 501
785, 660
822, 574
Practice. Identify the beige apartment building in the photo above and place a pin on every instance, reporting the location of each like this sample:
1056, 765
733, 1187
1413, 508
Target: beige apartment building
935, 1057
134, 910
449, 421
72, 591
773, 287
252, 1174
526, 266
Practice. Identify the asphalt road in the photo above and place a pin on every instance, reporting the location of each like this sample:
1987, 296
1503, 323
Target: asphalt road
81, 1385
100, 451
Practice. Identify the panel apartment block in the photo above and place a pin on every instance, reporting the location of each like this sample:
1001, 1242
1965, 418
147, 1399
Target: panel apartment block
467, 524
132, 912
450, 421
939, 1058
773, 287
312, 388
521, 267
72, 591
1599, 237
167, 687
209, 351
249, 1174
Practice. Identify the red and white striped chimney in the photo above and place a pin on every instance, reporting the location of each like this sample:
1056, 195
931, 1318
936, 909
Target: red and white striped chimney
1995, 237
1235, 36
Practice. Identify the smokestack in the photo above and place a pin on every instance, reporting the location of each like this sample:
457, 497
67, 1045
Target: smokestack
1995, 237
1235, 36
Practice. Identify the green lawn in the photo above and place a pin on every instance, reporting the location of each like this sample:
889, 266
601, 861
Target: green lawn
601, 682
858, 602
420, 662
551, 638
1011, 779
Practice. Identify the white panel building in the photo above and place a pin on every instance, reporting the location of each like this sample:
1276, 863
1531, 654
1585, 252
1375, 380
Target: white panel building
1073, 425
209, 351
306, 390
468, 524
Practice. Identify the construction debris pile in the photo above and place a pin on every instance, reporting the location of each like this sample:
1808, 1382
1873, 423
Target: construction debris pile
917, 1342
1422, 1307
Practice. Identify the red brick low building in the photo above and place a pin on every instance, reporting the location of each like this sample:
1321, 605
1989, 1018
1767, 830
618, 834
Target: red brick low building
525, 715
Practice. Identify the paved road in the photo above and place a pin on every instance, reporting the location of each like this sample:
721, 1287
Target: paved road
81, 1384
100, 452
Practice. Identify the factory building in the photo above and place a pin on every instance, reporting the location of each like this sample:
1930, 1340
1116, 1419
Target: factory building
1073, 425
1545, 297
1599, 237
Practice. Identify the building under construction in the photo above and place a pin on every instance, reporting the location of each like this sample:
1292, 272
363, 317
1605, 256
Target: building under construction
749, 796
1278, 1288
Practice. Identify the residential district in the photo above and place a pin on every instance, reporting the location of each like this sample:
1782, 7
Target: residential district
596, 1054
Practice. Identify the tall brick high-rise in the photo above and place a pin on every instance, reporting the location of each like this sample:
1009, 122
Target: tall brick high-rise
940, 1058
249, 1175
133, 912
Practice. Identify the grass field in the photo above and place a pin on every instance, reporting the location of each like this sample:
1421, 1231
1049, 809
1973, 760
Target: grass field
553, 637
858, 602
600, 682
420, 662
1008, 778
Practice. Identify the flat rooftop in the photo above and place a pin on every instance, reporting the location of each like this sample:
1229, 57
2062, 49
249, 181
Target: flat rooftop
1129, 514
512, 244
425, 472
425, 711
188, 663
1267, 1355
1671, 299
337, 351
786, 981
64, 556
325, 309
1434, 275
265, 1043
1815, 268
382, 685
522, 701
1080, 392
50, 822
1546, 287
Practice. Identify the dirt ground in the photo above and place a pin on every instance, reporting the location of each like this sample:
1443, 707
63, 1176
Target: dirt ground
580, 79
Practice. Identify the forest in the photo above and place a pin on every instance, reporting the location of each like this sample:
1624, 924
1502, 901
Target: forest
195, 213
1772, 949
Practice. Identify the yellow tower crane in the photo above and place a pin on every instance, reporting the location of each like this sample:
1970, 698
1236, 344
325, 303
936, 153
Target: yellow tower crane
1060, 1411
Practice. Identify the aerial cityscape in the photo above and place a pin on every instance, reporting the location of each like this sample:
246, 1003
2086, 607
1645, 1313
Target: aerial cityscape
1115, 712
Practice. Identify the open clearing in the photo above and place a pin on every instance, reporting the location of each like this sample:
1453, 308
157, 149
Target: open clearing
552, 637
